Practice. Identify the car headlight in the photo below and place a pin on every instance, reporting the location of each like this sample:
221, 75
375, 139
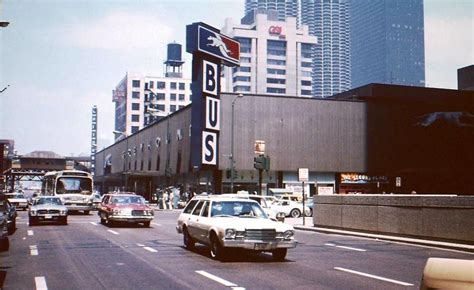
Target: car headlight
33, 212
63, 212
230, 233
288, 234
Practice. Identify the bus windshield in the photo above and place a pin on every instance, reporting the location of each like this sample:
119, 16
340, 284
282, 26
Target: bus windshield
74, 185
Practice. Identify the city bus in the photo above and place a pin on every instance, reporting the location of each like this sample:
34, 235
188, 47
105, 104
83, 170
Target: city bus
74, 187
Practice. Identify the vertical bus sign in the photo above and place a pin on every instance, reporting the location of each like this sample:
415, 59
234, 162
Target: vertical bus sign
210, 50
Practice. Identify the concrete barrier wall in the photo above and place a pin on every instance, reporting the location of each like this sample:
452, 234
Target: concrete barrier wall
446, 218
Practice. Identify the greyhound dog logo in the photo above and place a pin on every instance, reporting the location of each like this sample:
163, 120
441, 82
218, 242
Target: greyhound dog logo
216, 41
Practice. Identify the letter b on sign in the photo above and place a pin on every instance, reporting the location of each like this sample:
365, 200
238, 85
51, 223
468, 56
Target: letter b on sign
210, 75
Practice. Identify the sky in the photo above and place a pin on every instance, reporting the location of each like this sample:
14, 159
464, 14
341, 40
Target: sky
62, 57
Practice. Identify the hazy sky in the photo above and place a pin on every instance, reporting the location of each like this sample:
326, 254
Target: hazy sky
62, 57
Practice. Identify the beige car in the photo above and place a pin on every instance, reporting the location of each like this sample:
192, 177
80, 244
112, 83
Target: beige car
224, 223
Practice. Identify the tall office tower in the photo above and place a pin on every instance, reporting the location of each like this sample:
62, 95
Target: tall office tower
284, 8
387, 42
275, 56
328, 20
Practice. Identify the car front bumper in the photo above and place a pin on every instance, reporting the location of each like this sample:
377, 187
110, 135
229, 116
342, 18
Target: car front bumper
78, 206
259, 245
130, 219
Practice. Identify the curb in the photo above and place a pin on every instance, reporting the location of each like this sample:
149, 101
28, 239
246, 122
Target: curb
431, 243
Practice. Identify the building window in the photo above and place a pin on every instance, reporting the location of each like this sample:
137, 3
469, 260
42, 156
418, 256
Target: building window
182, 86
276, 47
241, 69
306, 73
273, 71
135, 106
161, 107
135, 129
151, 84
158, 159
245, 44
136, 95
135, 83
306, 83
241, 89
276, 90
245, 60
306, 92
305, 64
135, 118
241, 79
276, 81
181, 97
160, 97
172, 108
173, 86
160, 85
173, 97
276, 61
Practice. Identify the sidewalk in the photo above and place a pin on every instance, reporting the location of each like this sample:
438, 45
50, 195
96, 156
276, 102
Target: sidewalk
297, 223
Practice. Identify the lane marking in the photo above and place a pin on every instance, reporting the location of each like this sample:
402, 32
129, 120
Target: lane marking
140, 245
30, 232
345, 247
150, 249
158, 225
33, 250
219, 280
40, 282
374, 276
94, 223
113, 232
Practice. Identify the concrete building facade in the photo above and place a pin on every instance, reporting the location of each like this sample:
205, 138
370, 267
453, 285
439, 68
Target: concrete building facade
275, 56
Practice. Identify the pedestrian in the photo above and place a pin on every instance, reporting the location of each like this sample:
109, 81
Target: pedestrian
176, 194
170, 199
164, 199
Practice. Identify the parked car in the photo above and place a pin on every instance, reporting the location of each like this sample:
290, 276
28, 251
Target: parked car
290, 208
125, 207
18, 200
4, 241
47, 209
9, 211
96, 199
223, 223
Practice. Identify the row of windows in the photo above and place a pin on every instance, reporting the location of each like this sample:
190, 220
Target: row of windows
241, 89
161, 97
276, 61
162, 85
274, 71
276, 81
276, 90
241, 79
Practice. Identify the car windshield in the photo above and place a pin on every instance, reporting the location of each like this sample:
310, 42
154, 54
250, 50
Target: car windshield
74, 185
127, 200
15, 195
237, 208
48, 200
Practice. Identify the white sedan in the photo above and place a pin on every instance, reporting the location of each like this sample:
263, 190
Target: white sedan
290, 208
225, 223
18, 200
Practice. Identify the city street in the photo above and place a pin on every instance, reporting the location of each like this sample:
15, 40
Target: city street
88, 255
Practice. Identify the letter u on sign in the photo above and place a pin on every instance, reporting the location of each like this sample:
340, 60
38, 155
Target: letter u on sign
213, 113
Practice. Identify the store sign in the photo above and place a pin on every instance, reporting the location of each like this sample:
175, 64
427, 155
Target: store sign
275, 30
259, 147
303, 174
210, 50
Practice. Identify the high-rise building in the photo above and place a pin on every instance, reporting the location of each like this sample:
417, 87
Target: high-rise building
328, 21
275, 56
284, 8
387, 42
141, 99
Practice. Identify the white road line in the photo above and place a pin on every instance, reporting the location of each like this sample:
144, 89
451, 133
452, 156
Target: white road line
140, 245
345, 247
113, 232
373, 276
94, 223
219, 280
150, 249
33, 250
41, 283
155, 224
30, 232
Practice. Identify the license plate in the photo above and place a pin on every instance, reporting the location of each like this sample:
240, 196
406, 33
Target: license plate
261, 246
48, 216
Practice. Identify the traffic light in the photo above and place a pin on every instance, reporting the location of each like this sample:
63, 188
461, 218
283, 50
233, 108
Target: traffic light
267, 163
236, 174
259, 162
228, 173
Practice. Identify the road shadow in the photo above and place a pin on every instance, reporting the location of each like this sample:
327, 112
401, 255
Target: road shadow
3, 275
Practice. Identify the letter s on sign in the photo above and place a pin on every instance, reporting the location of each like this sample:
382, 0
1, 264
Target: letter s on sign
274, 30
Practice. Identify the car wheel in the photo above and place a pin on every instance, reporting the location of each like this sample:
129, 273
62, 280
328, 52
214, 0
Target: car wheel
86, 212
217, 251
12, 228
64, 221
279, 254
187, 240
4, 245
295, 213
146, 224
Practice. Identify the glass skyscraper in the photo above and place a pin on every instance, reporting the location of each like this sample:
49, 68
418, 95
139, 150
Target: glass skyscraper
387, 42
284, 8
328, 20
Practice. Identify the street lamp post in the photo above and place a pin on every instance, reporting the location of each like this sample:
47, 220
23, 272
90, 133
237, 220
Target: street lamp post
232, 160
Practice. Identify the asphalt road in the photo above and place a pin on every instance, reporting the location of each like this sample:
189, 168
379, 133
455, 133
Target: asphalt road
88, 255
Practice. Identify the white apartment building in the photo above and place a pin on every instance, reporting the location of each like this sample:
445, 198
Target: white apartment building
275, 56
137, 93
